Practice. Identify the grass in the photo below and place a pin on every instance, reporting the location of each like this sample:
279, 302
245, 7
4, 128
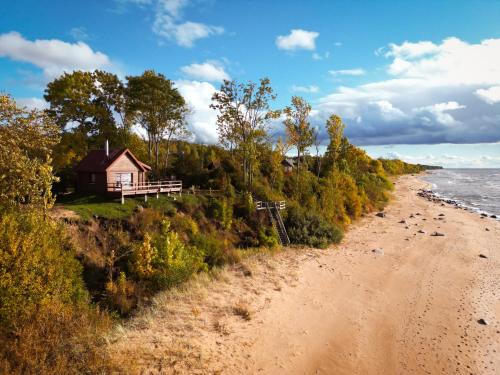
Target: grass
87, 206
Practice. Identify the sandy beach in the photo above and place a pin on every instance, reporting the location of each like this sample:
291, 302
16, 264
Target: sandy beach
410, 307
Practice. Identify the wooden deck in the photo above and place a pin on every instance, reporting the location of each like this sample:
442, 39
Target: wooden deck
150, 187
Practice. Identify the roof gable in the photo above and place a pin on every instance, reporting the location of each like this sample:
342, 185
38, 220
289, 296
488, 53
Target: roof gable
97, 161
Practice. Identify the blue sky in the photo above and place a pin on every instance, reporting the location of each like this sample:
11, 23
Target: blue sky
415, 80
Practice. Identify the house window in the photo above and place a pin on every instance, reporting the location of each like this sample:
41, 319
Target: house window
92, 178
124, 179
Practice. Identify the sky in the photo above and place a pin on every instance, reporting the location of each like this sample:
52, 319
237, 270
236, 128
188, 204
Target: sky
416, 80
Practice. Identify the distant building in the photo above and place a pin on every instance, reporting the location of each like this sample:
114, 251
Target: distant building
102, 171
288, 165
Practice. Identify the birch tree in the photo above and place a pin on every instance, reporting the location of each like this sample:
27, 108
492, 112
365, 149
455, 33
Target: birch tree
243, 119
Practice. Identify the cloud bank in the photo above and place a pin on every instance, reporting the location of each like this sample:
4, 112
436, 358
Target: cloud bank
435, 93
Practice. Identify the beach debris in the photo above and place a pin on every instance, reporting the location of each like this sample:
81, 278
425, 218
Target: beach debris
482, 321
437, 234
380, 214
424, 218
418, 214
486, 229
421, 231
441, 215
411, 216
407, 227
402, 221
484, 215
493, 216
483, 256
378, 251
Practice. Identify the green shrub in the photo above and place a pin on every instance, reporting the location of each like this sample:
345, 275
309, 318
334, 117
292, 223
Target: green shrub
222, 211
190, 203
216, 252
164, 260
268, 237
309, 228
37, 266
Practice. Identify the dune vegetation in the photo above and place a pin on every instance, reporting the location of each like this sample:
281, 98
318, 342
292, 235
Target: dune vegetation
64, 278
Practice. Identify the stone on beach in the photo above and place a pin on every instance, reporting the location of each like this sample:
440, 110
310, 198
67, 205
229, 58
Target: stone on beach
483, 256
437, 234
380, 214
421, 231
482, 321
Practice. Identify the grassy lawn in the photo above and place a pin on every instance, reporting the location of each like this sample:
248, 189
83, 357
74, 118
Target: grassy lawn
86, 206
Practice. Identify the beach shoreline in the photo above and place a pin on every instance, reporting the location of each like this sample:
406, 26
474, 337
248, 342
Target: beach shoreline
403, 293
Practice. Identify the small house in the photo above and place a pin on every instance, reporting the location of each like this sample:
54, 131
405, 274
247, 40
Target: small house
101, 171
288, 165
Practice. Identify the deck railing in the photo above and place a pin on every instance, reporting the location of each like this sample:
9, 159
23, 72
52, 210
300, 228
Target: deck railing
144, 188
279, 205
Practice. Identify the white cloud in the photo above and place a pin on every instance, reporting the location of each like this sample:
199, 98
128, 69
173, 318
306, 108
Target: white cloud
184, 34
168, 23
305, 89
297, 39
411, 50
79, 33
173, 7
202, 121
53, 56
207, 71
347, 72
490, 95
32, 103
317, 56
442, 92
439, 111
387, 110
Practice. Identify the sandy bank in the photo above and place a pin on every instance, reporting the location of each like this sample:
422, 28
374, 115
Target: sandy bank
411, 307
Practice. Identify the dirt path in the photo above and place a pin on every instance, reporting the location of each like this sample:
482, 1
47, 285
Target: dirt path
410, 308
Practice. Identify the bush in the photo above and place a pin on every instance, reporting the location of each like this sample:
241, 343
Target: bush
190, 203
57, 339
216, 252
164, 260
37, 266
222, 211
268, 237
309, 228
46, 325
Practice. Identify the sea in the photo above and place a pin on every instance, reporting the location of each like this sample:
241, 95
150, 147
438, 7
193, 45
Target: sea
477, 189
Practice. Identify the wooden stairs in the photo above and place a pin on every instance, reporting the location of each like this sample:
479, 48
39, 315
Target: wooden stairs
273, 210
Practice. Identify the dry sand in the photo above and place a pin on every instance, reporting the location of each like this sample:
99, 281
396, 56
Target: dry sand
412, 309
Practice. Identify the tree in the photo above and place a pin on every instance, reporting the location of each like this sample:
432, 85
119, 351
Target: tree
317, 143
243, 120
335, 127
26, 142
159, 108
298, 128
90, 103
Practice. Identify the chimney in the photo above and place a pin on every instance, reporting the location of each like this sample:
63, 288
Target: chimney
106, 148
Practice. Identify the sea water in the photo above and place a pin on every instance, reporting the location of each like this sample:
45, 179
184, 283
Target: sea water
478, 189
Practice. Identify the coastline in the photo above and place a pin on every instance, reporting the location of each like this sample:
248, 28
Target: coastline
410, 306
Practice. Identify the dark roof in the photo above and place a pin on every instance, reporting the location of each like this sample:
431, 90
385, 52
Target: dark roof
97, 161
288, 162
